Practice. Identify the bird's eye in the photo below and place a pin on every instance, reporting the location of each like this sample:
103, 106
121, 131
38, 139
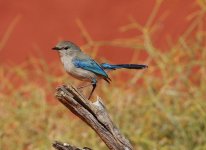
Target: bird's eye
67, 47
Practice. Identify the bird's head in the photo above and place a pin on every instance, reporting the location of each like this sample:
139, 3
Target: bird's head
65, 47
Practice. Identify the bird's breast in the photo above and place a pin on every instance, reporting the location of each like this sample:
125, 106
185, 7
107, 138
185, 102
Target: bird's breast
67, 62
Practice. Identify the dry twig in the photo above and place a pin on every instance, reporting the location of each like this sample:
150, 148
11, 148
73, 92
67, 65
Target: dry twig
95, 115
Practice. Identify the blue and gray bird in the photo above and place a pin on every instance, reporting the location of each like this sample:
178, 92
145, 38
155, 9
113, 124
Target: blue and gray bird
81, 66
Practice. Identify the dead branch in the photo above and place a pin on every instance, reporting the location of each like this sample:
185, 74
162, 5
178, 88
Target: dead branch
95, 115
64, 146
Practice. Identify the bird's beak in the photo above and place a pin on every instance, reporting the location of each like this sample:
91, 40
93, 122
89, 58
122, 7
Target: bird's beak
56, 48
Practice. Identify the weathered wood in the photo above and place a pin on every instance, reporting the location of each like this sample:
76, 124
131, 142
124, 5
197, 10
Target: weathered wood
64, 146
95, 115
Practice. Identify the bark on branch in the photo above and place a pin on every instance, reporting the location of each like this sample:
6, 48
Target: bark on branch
95, 115
64, 146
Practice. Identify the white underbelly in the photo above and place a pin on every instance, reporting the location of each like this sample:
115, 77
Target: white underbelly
82, 74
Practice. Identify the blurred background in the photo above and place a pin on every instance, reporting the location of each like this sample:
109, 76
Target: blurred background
162, 107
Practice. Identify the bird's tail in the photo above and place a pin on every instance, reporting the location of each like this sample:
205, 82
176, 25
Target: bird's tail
106, 66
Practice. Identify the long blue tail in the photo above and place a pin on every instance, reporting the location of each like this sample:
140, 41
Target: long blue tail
119, 66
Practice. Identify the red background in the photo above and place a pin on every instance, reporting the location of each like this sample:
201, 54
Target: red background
41, 23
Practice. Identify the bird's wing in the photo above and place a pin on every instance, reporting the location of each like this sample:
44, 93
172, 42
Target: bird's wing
90, 65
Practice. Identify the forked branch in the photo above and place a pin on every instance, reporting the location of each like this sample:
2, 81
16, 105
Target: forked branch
95, 115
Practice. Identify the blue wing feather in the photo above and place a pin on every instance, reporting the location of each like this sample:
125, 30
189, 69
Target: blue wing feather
90, 65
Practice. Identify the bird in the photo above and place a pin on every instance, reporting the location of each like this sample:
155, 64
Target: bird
81, 66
